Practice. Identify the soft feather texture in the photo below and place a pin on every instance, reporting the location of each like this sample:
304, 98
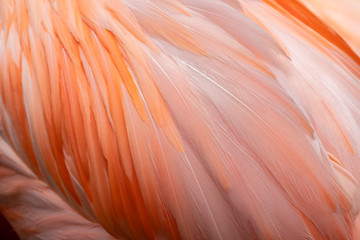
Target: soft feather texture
28, 203
177, 119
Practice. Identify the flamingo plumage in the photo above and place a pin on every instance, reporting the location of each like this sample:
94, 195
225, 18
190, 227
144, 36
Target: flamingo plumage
180, 119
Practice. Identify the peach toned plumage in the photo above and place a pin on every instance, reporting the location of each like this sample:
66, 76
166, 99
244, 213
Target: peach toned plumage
180, 119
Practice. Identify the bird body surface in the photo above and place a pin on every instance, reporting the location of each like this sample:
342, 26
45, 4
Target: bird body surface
179, 119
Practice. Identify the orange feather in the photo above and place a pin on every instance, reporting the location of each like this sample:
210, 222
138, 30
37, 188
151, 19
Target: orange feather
186, 119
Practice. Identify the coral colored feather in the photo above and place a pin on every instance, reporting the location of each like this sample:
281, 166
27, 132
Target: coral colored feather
180, 119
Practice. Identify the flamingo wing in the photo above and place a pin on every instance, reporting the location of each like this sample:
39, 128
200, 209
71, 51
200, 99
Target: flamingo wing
202, 119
